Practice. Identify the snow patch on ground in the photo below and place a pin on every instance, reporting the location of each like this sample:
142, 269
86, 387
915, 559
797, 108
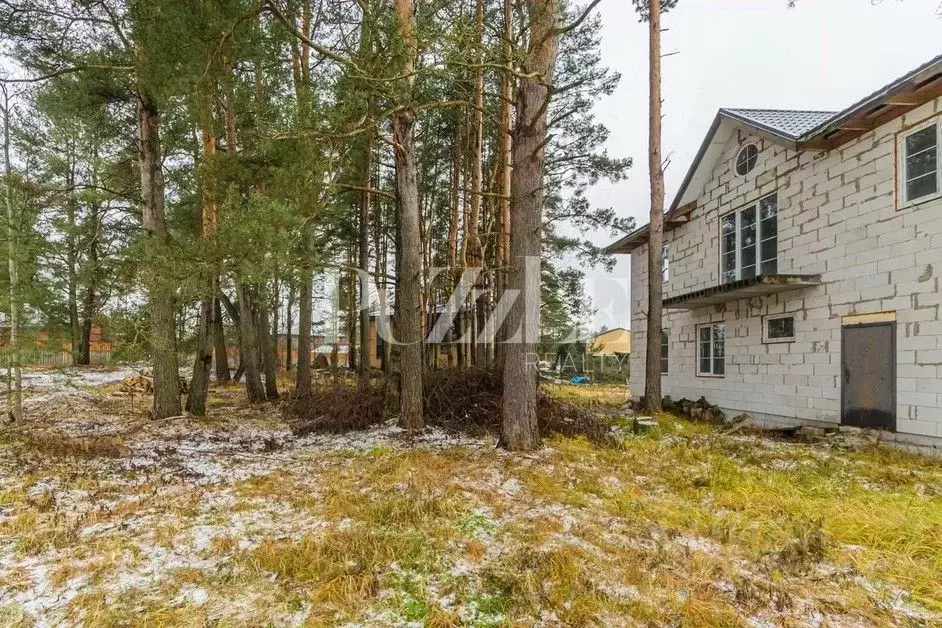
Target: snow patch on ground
203, 462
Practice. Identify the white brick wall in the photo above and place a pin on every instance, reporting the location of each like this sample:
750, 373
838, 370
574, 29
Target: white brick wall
837, 217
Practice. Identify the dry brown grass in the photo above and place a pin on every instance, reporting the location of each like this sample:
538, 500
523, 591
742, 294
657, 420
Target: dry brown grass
679, 526
63, 446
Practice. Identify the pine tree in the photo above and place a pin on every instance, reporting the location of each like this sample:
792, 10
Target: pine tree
520, 428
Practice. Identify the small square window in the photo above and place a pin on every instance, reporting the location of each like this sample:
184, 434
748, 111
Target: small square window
779, 329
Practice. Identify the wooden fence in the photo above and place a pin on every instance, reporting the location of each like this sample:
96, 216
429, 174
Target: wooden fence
50, 358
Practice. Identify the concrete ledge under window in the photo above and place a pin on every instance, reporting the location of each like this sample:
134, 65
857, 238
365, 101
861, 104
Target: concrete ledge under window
743, 289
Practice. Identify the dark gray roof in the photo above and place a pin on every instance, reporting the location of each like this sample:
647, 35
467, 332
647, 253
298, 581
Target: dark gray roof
787, 123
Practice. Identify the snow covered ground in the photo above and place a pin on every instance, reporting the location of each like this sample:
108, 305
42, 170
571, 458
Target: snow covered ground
107, 517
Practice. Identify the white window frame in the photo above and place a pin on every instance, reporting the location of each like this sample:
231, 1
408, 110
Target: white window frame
902, 179
665, 264
711, 327
759, 237
765, 328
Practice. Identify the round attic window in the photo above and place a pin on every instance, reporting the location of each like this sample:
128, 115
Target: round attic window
747, 158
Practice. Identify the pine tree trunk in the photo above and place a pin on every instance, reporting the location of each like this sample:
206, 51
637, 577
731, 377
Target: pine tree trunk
71, 257
202, 365
90, 301
475, 251
506, 158
266, 348
14, 366
249, 348
455, 349
409, 282
219, 340
162, 295
232, 310
85, 344
364, 260
351, 313
203, 362
289, 328
303, 379
520, 429
380, 268
652, 366
85, 340
275, 321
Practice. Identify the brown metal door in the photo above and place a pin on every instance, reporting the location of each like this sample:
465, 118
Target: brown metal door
868, 372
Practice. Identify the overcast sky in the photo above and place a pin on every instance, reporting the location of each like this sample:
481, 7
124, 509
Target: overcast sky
824, 54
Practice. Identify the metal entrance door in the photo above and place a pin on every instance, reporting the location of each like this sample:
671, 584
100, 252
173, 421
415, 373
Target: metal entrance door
868, 372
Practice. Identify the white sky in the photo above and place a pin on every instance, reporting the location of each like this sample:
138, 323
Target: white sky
824, 54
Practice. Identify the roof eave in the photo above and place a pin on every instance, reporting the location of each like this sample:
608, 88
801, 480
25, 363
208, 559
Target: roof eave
673, 219
922, 84
696, 160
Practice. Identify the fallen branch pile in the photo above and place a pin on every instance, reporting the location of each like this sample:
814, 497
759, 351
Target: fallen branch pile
463, 400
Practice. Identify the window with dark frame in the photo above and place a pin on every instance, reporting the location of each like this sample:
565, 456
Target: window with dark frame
921, 170
749, 241
746, 159
711, 349
665, 345
780, 328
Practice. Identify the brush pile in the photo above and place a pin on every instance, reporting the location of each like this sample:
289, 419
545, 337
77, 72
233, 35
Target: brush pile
335, 406
461, 400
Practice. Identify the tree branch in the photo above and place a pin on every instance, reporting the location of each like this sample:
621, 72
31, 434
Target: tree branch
321, 50
579, 20
72, 70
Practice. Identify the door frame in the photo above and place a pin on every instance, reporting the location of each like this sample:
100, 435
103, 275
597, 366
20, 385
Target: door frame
891, 323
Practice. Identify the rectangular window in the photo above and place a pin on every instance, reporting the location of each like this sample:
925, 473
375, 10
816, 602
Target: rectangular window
920, 163
749, 241
711, 349
665, 264
779, 329
665, 344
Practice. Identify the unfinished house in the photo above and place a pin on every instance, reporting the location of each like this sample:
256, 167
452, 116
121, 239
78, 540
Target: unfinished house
801, 266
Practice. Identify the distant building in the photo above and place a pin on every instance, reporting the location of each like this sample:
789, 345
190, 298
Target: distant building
611, 342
